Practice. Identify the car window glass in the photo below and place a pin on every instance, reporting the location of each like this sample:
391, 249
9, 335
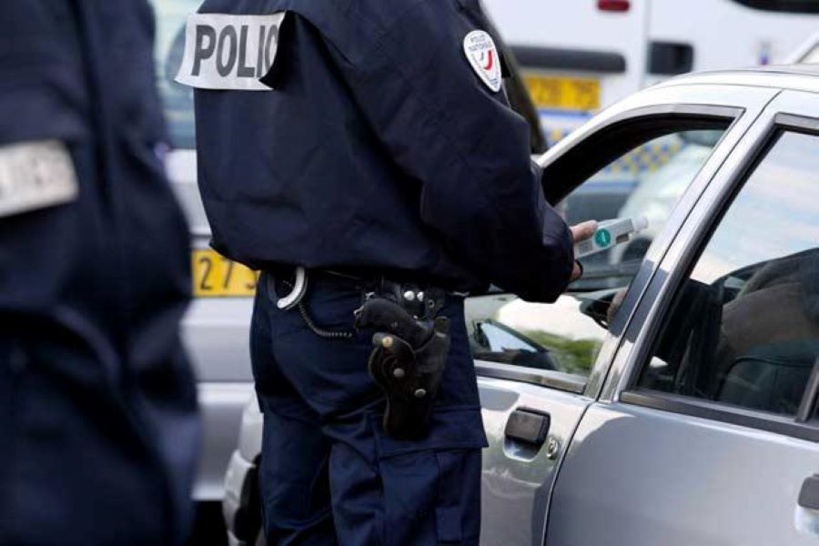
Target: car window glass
170, 43
567, 335
744, 326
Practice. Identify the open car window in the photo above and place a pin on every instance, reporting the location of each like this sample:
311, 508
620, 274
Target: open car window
645, 179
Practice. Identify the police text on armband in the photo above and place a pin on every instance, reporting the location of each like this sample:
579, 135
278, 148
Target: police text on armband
229, 52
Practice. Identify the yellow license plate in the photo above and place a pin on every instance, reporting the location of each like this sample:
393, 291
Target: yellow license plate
564, 93
214, 276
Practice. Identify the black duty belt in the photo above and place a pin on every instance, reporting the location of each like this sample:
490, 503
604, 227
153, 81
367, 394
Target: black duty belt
419, 298
410, 341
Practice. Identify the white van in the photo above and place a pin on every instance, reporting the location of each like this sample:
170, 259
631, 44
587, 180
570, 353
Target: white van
581, 55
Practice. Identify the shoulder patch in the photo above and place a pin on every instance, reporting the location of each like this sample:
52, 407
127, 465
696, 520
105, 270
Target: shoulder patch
229, 52
482, 54
35, 175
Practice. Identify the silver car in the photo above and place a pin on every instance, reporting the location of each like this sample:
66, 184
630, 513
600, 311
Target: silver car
669, 398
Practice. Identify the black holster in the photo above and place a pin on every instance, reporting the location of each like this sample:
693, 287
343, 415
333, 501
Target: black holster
407, 363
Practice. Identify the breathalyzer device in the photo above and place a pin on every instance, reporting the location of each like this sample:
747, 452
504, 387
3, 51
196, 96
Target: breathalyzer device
608, 234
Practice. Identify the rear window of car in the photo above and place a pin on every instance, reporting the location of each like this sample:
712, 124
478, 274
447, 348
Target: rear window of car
793, 6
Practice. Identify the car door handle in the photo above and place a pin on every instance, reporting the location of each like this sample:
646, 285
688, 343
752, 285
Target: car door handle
809, 496
528, 426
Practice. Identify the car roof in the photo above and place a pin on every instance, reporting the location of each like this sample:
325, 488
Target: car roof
798, 77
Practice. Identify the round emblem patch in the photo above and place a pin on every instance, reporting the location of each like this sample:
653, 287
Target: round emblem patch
483, 56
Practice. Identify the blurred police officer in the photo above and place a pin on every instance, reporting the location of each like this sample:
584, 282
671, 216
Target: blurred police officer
363, 156
98, 423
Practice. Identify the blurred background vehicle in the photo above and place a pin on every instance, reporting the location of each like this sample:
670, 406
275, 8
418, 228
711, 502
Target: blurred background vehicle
581, 56
215, 329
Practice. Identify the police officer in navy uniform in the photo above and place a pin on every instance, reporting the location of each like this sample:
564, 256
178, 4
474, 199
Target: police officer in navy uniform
98, 424
363, 156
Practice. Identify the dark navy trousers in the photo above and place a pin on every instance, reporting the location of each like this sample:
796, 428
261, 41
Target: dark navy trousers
328, 473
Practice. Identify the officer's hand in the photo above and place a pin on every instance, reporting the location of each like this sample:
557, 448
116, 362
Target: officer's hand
581, 232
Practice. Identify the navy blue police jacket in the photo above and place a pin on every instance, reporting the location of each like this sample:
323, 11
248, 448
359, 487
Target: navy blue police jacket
378, 145
98, 425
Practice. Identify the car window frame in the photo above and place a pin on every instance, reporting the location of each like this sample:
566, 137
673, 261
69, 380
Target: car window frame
805, 424
658, 111
573, 170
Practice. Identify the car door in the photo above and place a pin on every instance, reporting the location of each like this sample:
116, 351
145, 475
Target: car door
540, 366
706, 431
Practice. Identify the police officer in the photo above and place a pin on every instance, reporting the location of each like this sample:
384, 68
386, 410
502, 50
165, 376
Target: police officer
363, 156
98, 425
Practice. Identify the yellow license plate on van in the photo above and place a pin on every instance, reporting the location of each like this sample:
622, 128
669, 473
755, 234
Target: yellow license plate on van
561, 93
214, 276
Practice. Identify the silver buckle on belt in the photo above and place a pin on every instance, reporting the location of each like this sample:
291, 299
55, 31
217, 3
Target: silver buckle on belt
297, 293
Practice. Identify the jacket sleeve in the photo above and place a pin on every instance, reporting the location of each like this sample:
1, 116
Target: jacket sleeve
467, 150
